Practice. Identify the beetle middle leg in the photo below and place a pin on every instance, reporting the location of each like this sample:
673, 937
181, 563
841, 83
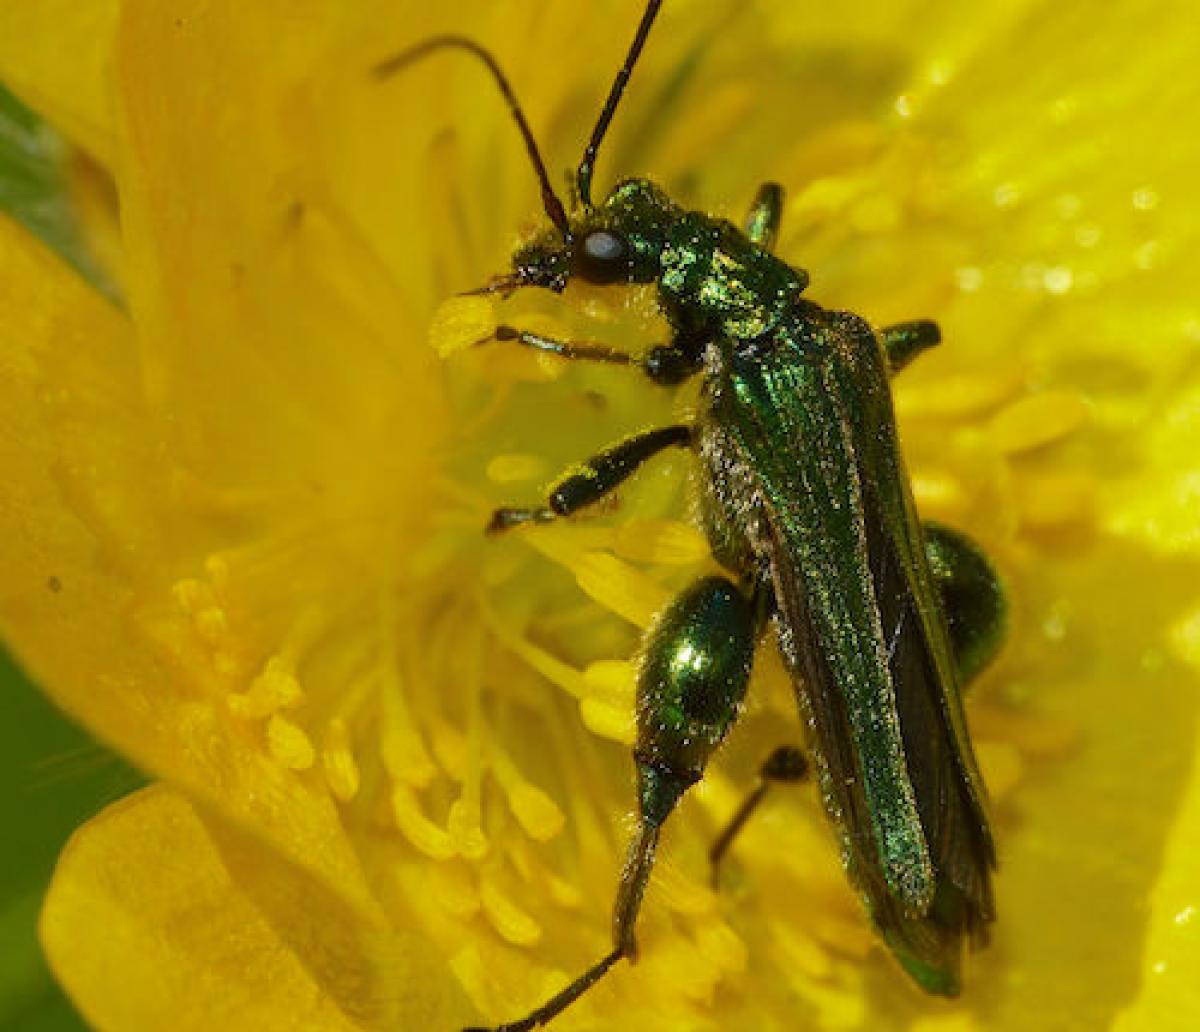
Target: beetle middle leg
905, 341
786, 764
600, 475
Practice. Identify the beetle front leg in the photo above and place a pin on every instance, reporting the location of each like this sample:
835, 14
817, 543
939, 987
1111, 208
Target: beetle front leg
667, 365
600, 475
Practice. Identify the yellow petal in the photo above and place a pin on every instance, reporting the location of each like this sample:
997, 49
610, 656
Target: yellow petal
55, 54
72, 550
225, 932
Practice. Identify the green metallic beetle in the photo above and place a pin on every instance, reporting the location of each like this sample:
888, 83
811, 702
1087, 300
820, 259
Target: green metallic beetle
880, 619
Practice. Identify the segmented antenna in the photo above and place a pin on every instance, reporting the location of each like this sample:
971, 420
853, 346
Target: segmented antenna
584, 174
389, 67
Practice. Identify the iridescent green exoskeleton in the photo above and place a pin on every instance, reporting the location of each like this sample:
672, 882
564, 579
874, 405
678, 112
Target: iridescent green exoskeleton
807, 505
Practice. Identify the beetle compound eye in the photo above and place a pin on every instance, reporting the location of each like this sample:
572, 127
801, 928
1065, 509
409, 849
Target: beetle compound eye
604, 257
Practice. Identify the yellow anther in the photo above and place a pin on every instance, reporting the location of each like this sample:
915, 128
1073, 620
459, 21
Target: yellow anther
289, 744
958, 396
450, 748
1038, 420
338, 762
661, 541
424, 835
460, 322
509, 920
539, 815
465, 831
620, 587
938, 491
405, 758
616, 723
613, 681
513, 469
272, 690
1053, 501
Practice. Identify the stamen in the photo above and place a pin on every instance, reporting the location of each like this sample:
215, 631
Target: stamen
338, 763
1038, 420
616, 723
274, 689
661, 541
961, 396
611, 681
510, 921
415, 826
538, 814
620, 587
289, 744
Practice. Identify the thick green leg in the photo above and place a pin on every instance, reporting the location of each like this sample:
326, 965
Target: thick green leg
600, 475
762, 223
972, 597
695, 668
905, 341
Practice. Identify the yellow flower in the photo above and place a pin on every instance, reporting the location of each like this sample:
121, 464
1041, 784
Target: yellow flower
242, 514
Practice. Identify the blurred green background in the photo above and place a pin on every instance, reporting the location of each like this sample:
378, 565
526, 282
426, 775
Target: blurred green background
53, 776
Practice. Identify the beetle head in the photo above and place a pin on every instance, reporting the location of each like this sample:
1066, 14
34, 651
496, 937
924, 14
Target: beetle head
621, 241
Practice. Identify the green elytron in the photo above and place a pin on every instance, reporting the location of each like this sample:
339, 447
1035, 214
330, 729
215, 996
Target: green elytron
880, 619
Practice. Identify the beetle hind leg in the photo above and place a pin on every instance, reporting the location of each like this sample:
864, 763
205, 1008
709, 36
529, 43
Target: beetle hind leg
973, 598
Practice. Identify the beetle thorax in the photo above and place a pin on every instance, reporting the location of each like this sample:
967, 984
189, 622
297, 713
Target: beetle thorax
712, 275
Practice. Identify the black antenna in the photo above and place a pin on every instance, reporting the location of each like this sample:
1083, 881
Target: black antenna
385, 69
584, 175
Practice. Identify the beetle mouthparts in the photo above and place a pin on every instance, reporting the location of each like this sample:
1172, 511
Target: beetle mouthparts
504, 284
